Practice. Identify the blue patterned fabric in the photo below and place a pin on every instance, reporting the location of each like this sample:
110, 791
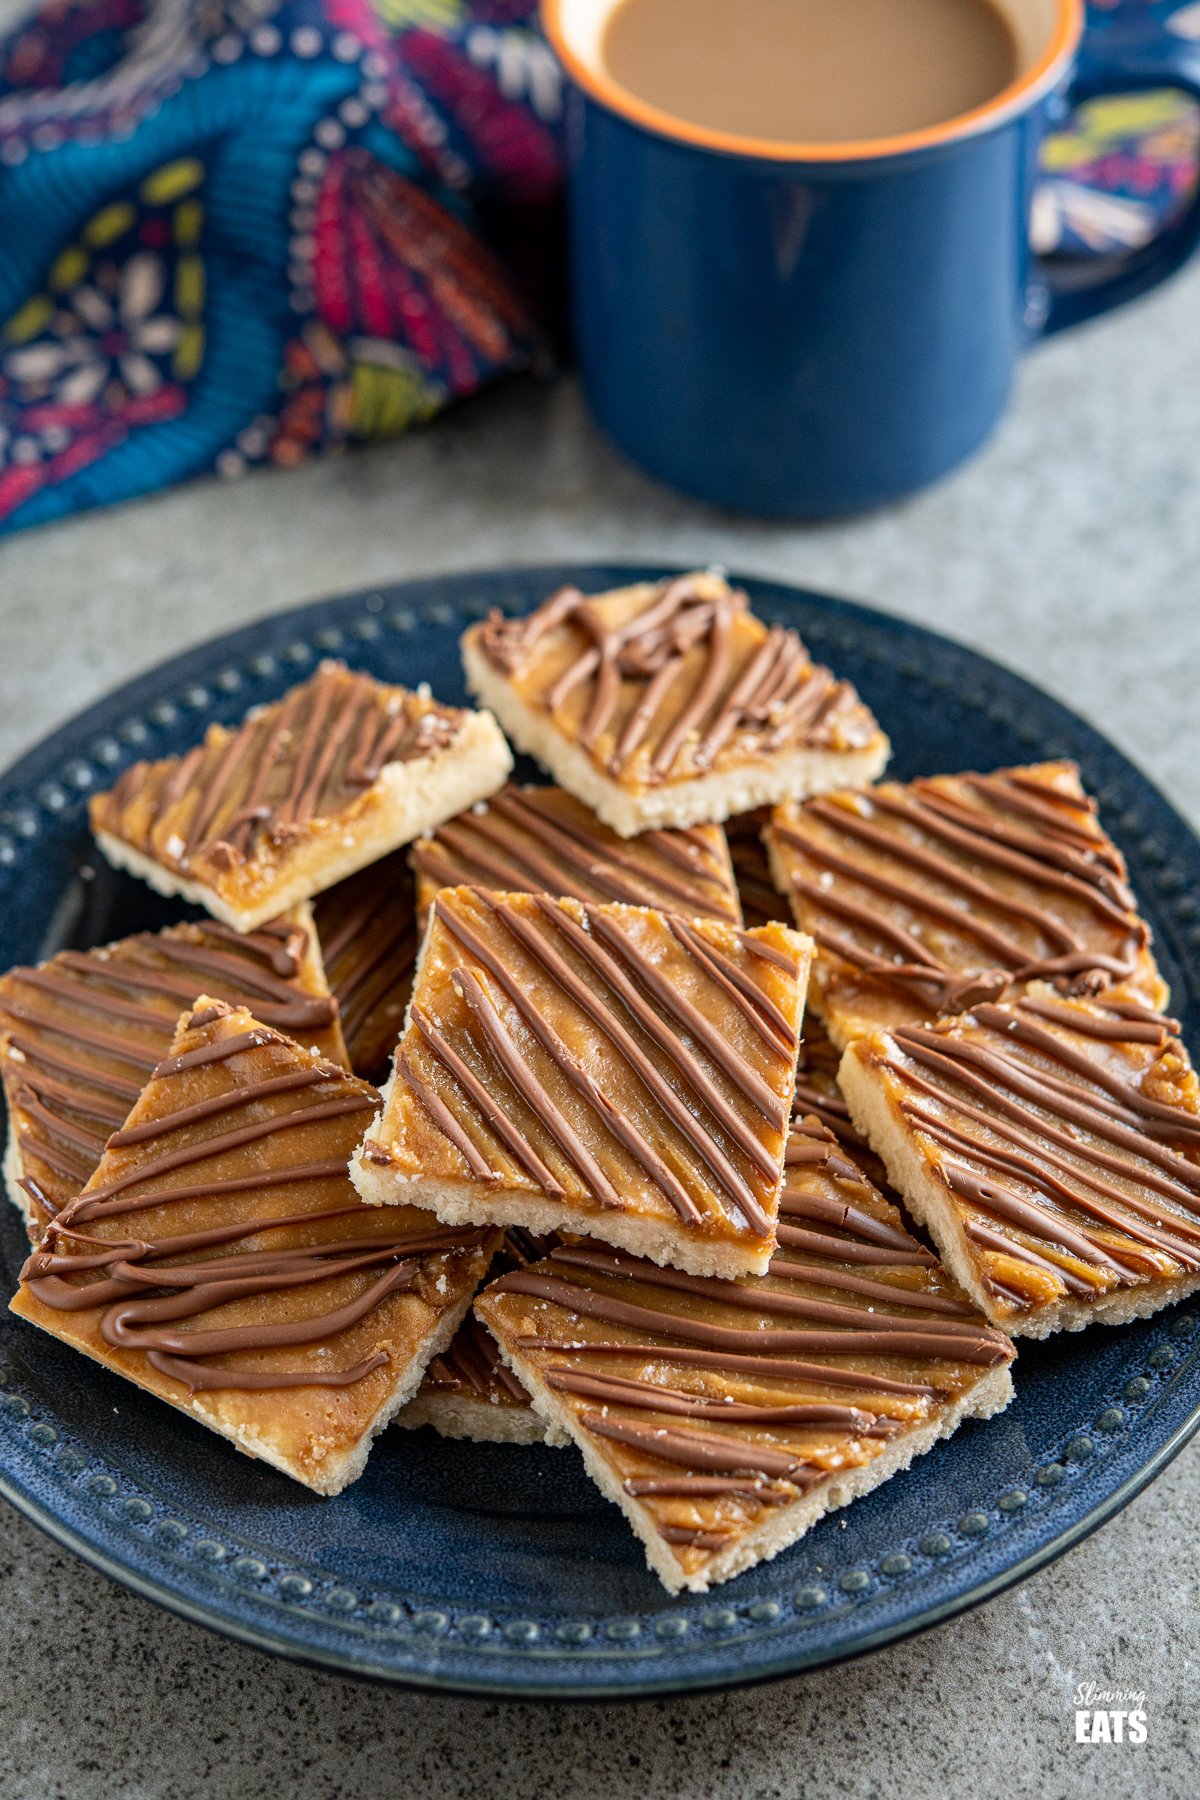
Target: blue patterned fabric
237, 231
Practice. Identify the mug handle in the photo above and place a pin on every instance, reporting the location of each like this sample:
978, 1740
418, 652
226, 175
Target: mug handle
1062, 305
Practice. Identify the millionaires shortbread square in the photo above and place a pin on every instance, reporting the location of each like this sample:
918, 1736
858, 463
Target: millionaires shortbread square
819, 1096
670, 703
924, 897
80, 1034
542, 840
1050, 1147
219, 1257
610, 1070
726, 1417
299, 796
760, 898
469, 1391
367, 926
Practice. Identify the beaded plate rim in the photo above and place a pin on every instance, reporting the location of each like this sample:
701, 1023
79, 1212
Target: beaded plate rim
234, 1585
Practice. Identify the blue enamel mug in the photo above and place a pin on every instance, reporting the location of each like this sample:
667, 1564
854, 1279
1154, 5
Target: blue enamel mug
803, 330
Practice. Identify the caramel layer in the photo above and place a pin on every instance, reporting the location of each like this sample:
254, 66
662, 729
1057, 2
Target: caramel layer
220, 1258
610, 1059
543, 840
80, 1034
713, 1403
924, 898
1065, 1135
367, 925
662, 683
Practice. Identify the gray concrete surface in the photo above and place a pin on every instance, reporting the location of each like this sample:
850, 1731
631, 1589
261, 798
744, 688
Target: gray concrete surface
1070, 549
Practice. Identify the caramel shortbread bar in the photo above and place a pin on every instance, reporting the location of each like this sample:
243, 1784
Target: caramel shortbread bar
603, 1069
367, 925
726, 1417
669, 703
761, 900
219, 1257
469, 1391
80, 1034
819, 1095
523, 839
1051, 1148
542, 840
303, 793
927, 896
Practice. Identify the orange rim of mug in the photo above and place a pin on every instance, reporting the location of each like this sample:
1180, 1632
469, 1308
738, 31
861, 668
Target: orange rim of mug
1006, 104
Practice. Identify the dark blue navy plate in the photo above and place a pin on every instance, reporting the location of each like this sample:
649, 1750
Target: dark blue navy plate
499, 1569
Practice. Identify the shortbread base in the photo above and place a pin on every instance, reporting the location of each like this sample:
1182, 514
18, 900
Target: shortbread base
337, 1472
931, 1205
469, 1416
990, 1395
462, 1203
696, 800
13, 1171
411, 798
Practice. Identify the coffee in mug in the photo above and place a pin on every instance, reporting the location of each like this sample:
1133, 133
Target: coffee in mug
811, 71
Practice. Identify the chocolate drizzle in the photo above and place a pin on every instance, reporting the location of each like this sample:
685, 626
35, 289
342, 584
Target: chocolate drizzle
818, 1096
685, 1094
294, 1276
367, 926
542, 840
714, 1399
1068, 1133
959, 889
472, 1365
81, 1033
761, 901
262, 784
671, 682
